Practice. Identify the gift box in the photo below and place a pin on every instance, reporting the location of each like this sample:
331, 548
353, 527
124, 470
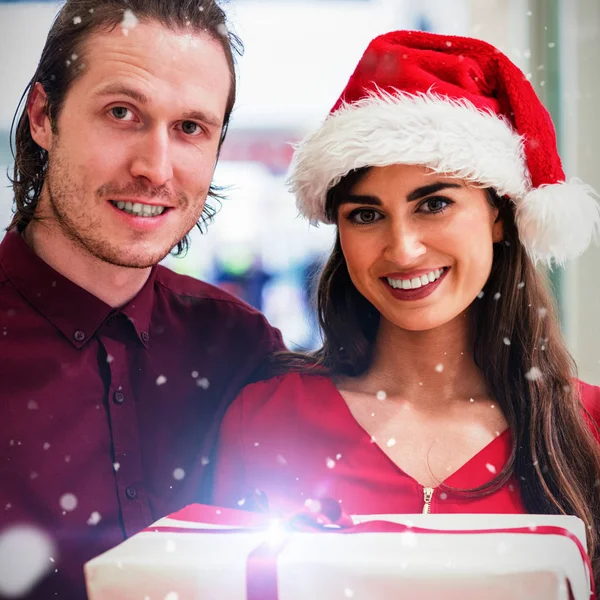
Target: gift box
208, 553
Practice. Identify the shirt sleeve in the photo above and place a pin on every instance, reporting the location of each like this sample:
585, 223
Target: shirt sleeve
590, 397
271, 342
229, 479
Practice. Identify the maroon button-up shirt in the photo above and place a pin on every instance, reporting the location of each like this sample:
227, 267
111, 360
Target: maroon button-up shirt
109, 416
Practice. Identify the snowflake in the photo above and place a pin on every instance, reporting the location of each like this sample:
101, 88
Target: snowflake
68, 502
281, 460
480, 295
204, 461
161, 379
520, 285
116, 466
330, 463
46, 446
203, 383
241, 502
25, 551
497, 296
533, 374
94, 518
381, 395
542, 312
178, 474
391, 442
32, 405
506, 341
76, 20
491, 468
195, 374
338, 456
129, 21
439, 367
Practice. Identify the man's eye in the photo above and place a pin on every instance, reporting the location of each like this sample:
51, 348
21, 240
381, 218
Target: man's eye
190, 128
119, 112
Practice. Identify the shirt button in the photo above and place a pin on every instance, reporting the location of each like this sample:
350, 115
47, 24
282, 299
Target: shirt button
131, 493
119, 397
79, 335
145, 336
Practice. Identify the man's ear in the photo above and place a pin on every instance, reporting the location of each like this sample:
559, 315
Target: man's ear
39, 121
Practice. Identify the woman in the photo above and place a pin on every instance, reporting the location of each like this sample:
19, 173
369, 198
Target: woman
443, 384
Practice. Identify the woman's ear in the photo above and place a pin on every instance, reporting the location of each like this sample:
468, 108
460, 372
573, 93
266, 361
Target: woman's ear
39, 121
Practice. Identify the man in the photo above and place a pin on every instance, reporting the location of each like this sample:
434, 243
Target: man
114, 372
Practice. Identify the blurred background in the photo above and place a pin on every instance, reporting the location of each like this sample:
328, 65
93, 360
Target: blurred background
298, 56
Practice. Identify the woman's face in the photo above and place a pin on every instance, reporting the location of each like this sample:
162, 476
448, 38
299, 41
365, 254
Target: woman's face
418, 245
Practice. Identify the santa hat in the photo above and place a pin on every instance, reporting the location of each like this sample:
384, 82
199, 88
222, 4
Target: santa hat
457, 106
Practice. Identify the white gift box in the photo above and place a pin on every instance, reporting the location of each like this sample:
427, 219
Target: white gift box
193, 556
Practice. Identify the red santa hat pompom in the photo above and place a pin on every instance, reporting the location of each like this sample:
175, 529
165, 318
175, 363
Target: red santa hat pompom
457, 106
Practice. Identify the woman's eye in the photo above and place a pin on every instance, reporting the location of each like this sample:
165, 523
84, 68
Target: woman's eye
119, 112
364, 216
435, 205
190, 128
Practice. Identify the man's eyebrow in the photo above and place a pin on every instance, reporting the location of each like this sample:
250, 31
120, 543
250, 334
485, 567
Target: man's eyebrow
121, 90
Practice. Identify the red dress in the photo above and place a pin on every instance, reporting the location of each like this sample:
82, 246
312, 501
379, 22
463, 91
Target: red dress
294, 438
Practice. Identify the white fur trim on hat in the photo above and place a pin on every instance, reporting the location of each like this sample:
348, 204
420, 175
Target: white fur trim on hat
558, 221
447, 136
555, 222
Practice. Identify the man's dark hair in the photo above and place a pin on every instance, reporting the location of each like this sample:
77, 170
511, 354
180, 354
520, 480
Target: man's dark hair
62, 61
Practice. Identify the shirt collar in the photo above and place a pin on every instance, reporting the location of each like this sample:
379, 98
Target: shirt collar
74, 311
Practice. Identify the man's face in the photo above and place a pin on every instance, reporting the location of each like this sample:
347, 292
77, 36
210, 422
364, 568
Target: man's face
138, 135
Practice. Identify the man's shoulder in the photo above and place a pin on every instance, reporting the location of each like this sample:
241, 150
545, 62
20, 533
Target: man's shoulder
184, 286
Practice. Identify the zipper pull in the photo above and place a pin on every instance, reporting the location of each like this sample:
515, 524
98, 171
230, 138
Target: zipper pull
427, 496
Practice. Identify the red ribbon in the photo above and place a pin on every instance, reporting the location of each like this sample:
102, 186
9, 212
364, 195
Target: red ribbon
261, 567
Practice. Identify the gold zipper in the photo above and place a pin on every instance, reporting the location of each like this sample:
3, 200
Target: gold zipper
427, 496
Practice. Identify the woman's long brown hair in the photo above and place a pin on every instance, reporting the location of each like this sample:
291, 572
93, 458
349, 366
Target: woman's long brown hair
555, 456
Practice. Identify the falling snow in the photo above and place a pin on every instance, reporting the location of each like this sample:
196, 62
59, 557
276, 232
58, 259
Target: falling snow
24, 559
381, 395
204, 461
533, 374
195, 374
391, 442
506, 341
497, 296
480, 295
129, 21
46, 446
443, 496
330, 463
116, 466
161, 379
520, 285
241, 502
178, 474
491, 468
338, 456
109, 358
203, 383
68, 502
281, 460
222, 29
32, 405
471, 399
439, 367
94, 518
76, 20
542, 312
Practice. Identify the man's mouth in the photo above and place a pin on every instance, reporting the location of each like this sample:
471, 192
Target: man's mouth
137, 209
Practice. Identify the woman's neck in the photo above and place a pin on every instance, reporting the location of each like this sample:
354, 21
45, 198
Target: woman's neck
434, 366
